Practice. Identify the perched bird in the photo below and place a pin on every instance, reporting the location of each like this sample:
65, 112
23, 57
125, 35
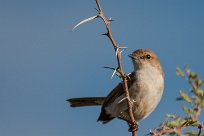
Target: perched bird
145, 84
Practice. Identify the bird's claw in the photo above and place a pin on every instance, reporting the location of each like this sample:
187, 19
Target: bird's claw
133, 127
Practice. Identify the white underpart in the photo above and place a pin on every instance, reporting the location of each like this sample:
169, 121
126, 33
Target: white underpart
152, 83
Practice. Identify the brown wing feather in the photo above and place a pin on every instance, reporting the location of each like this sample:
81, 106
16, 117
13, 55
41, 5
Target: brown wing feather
115, 93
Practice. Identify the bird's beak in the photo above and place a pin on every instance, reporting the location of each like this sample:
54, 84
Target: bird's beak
131, 56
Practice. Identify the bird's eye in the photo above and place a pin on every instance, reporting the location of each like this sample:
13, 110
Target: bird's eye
148, 56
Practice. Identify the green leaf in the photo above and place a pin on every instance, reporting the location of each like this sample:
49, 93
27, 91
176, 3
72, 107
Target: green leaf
185, 96
191, 133
185, 109
171, 116
193, 76
199, 82
179, 72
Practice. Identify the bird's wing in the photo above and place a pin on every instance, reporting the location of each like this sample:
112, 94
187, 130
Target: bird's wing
114, 94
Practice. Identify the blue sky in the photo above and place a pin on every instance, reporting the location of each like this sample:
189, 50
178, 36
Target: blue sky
42, 62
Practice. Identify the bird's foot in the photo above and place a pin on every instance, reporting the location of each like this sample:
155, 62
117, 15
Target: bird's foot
133, 127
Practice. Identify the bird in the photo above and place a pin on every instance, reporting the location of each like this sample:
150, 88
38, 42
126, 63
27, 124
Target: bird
145, 86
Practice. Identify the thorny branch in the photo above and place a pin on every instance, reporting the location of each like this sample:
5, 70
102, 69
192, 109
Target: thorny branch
133, 126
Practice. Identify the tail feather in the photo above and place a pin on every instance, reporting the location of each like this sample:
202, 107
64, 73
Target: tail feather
87, 101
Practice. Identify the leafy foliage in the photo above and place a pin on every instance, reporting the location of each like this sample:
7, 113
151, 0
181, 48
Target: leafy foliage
190, 124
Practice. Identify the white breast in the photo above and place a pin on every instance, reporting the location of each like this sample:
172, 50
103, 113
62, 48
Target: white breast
151, 89
149, 92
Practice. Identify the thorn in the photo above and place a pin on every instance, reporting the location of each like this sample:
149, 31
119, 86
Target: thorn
125, 99
121, 51
96, 9
106, 34
110, 19
122, 100
110, 68
113, 73
123, 47
116, 52
150, 133
128, 76
84, 21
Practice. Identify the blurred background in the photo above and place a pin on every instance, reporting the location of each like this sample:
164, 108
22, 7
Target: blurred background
43, 62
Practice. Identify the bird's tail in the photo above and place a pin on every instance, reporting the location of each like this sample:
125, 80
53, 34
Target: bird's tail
87, 101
